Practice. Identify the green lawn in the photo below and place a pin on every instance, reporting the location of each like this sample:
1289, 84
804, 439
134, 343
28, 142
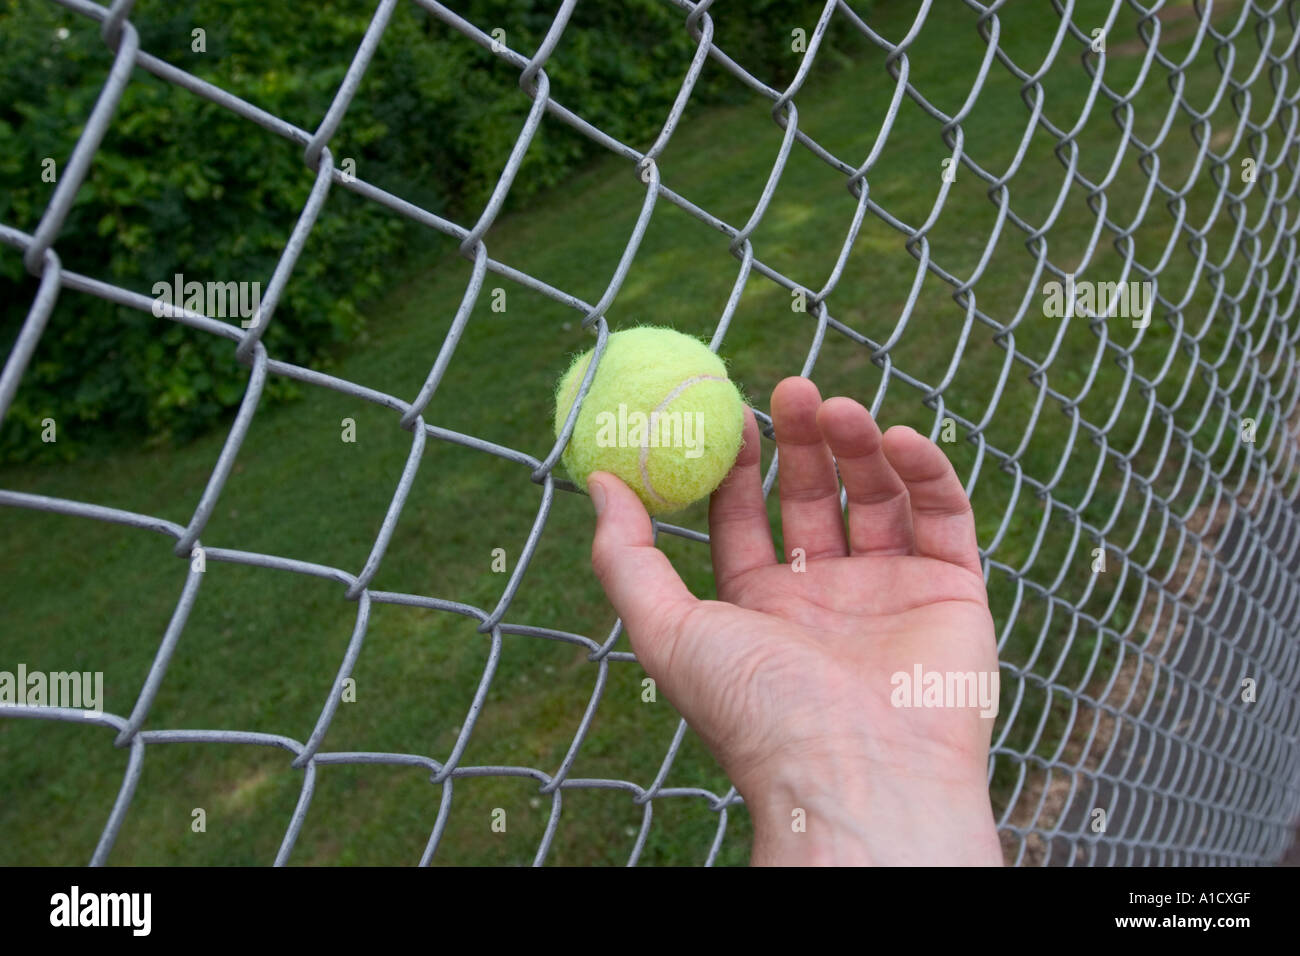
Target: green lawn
262, 647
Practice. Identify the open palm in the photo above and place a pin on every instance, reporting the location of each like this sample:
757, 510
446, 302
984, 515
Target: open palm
788, 676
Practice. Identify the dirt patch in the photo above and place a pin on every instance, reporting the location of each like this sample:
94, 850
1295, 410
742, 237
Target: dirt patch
1176, 24
1049, 801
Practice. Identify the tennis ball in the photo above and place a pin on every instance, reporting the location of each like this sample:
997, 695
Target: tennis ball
661, 414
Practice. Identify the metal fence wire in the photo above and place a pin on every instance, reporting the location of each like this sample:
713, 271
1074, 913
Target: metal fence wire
1195, 769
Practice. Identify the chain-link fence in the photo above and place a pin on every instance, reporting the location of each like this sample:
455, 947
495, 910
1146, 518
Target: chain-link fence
1150, 712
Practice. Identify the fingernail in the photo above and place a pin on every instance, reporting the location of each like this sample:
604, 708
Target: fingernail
597, 495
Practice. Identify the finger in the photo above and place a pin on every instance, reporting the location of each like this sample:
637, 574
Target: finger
638, 578
811, 518
740, 537
942, 520
880, 519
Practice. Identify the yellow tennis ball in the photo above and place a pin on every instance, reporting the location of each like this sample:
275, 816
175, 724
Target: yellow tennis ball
661, 414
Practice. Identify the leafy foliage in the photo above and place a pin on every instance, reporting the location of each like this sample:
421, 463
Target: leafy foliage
181, 185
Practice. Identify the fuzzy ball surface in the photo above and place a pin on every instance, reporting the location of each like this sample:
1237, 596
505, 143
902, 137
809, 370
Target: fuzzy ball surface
661, 414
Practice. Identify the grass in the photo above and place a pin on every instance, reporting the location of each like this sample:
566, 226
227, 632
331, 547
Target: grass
262, 646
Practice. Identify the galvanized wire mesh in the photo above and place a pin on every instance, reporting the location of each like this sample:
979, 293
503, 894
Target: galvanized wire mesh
1159, 731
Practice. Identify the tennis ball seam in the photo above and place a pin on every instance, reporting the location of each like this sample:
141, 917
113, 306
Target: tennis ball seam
643, 459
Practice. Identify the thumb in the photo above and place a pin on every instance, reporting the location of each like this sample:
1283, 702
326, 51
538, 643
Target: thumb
638, 578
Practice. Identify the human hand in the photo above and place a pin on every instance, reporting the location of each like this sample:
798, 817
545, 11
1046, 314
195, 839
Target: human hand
787, 676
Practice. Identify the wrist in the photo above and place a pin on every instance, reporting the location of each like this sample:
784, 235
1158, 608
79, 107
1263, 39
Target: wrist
801, 821
832, 815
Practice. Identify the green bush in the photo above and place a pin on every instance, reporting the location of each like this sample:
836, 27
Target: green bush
180, 185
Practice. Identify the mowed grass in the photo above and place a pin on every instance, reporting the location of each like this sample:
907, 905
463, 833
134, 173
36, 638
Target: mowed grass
261, 647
